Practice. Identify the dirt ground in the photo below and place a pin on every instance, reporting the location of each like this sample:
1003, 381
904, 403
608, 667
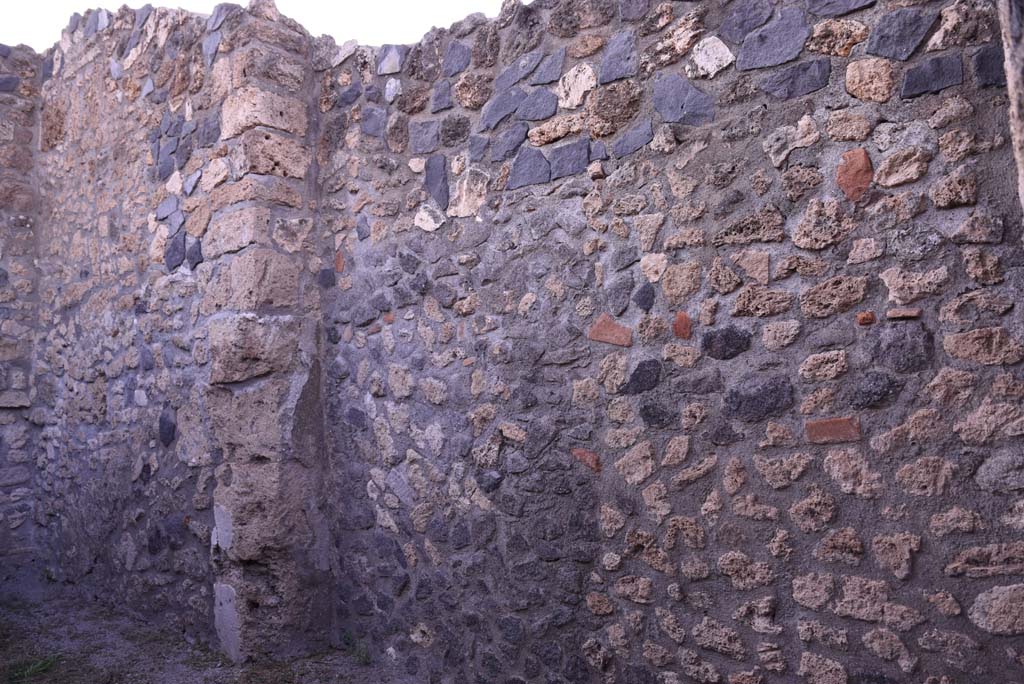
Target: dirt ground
60, 643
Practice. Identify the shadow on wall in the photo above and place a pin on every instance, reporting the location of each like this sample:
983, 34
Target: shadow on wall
618, 341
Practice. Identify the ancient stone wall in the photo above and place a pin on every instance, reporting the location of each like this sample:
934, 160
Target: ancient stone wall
20, 537
601, 341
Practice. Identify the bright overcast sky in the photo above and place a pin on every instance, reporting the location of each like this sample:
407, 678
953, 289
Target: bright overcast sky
371, 22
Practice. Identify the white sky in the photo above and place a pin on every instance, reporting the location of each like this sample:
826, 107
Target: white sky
371, 22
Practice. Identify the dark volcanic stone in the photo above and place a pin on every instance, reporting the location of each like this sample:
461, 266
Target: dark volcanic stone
456, 58
777, 42
657, 416
836, 8
194, 253
679, 101
644, 378
209, 46
756, 398
477, 147
873, 389
898, 33
721, 433
189, 184
500, 106
620, 58
441, 99
933, 75
515, 73
489, 480
454, 130
539, 105
798, 80
617, 294
633, 10
904, 347
175, 221
644, 297
987, 65
746, 16
168, 426
8, 84
435, 179
220, 13
700, 382
174, 251
424, 136
350, 94
326, 278
550, 69
167, 207
374, 121
390, 59
505, 144
624, 257
634, 139
362, 228
725, 343
529, 168
871, 678
570, 159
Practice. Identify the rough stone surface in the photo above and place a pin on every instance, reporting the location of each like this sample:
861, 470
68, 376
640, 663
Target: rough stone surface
900, 32
933, 76
709, 57
679, 101
489, 372
837, 37
620, 58
855, 174
798, 80
1000, 610
744, 18
777, 42
871, 80
835, 8
903, 166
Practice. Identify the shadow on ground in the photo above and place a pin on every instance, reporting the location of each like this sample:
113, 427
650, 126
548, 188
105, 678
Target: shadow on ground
64, 643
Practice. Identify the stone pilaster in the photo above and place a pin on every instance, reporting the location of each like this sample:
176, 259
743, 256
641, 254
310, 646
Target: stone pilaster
19, 91
271, 550
1011, 18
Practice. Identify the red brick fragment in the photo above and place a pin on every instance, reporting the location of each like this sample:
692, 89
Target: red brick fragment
866, 318
588, 458
833, 430
902, 312
606, 329
682, 326
855, 173
339, 262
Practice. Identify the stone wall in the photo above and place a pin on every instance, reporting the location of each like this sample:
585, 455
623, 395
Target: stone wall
600, 341
20, 537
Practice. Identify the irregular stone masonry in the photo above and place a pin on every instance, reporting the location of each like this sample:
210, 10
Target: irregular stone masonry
605, 340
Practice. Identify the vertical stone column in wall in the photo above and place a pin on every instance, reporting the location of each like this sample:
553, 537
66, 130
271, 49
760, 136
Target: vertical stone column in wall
19, 92
271, 548
1011, 16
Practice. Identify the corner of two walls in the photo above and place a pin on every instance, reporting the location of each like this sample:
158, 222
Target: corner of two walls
162, 433
547, 347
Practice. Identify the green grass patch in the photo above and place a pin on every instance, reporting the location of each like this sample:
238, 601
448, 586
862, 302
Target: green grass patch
29, 670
